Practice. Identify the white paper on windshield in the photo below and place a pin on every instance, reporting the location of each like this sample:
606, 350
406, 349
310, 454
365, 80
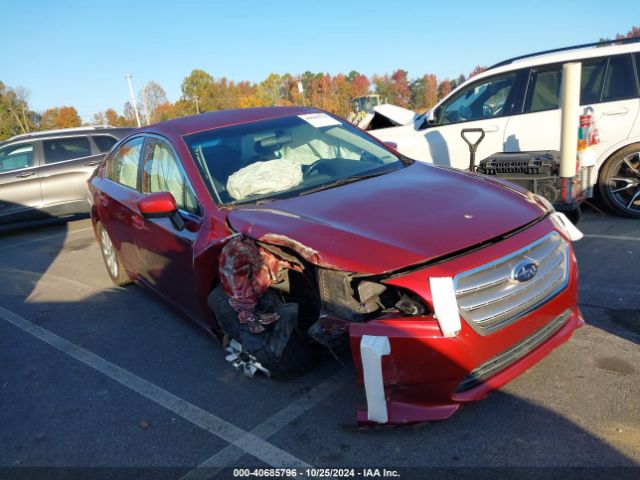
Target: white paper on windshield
319, 120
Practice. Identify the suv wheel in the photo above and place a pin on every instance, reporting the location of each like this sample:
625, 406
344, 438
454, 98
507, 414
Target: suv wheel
620, 182
112, 262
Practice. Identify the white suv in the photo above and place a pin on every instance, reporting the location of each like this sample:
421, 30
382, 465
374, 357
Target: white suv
516, 103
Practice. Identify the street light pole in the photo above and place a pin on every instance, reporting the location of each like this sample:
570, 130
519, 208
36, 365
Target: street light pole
133, 99
195, 97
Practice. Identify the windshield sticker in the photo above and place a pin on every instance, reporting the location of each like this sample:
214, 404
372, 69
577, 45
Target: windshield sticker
319, 120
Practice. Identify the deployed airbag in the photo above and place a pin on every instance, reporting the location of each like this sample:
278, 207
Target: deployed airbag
261, 178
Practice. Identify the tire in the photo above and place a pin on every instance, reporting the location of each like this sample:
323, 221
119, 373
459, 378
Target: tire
114, 267
297, 357
619, 182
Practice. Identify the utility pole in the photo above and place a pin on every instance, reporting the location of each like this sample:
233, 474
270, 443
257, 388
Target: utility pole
133, 99
147, 115
195, 97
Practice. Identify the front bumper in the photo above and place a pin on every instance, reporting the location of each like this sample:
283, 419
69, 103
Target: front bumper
425, 376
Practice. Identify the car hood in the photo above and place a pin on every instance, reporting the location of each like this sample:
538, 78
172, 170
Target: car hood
385, 223
397, 115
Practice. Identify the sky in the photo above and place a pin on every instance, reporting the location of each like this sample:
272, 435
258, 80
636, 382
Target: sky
68, 52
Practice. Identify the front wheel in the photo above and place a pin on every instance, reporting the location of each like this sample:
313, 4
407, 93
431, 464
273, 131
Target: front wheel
620, 182
109, 255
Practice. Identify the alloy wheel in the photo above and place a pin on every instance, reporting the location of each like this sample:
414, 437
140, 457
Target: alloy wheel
624, 183
109, 253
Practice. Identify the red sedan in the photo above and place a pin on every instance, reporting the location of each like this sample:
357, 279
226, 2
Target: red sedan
285, 229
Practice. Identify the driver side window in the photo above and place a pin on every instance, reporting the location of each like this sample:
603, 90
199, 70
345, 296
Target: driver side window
480, 100
163, 172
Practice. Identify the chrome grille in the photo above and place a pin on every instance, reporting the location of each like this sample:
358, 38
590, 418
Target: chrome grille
489, 297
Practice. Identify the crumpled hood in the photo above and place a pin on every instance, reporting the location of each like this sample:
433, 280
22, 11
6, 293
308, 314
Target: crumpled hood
381, 224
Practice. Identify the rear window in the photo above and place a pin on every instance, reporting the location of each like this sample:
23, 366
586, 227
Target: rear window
62, 149
104, 142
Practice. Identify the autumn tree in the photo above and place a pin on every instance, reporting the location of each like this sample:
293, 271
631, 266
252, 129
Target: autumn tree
151, 96
111, 117
60, 117
424, 92
444, 88
633, 33
477, 70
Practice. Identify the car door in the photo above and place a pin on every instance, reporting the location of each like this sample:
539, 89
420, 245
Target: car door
608, 92
616, 109
68, 162
116, 200
485, 104
20, 194
165, 250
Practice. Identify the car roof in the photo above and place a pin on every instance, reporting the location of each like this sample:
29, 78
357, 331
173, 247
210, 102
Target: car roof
592, 50
221, 118
67, 132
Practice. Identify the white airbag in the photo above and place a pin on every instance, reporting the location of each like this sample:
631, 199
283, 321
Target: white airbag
261, 178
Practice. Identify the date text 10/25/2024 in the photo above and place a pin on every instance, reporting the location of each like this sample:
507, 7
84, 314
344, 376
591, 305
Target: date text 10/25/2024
315, 473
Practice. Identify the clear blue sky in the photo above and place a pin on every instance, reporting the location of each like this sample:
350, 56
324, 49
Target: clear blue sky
69, 52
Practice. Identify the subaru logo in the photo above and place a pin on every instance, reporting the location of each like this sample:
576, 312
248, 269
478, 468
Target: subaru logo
524, 271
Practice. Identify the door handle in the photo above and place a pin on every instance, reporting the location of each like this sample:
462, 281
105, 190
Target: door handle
491, 128
26, 174
617, 111
92, 163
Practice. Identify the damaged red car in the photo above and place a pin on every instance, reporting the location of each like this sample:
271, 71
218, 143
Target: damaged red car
284, 230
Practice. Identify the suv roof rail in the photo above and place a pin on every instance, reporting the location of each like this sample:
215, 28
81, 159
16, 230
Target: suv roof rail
59, 130
603, 43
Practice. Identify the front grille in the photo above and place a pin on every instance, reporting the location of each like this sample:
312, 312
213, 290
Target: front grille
510, 356
489, 297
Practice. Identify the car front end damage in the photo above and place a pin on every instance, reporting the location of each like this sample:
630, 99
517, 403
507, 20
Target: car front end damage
424, 338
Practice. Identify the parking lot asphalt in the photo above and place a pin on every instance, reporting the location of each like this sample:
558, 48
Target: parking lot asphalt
110, 382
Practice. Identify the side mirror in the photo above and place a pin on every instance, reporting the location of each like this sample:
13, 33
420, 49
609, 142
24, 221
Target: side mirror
430, 117
161, 205
393, 145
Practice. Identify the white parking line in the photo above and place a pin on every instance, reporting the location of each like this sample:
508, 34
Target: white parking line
245, 441
211, 467
39, 239
613, 237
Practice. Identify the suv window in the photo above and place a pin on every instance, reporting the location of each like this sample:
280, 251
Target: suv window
591, 79
619, 82
62, 149
123, 164
15, 157
104, 142
163, 172
480, 100
544, 90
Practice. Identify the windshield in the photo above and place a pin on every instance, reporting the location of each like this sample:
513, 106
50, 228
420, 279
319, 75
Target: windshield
285, 157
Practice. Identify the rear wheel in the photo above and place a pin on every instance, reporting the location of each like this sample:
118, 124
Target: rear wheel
110, 256
620, 182
298, 355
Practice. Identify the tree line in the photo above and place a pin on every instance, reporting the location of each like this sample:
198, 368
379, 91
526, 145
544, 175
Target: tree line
201, 92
